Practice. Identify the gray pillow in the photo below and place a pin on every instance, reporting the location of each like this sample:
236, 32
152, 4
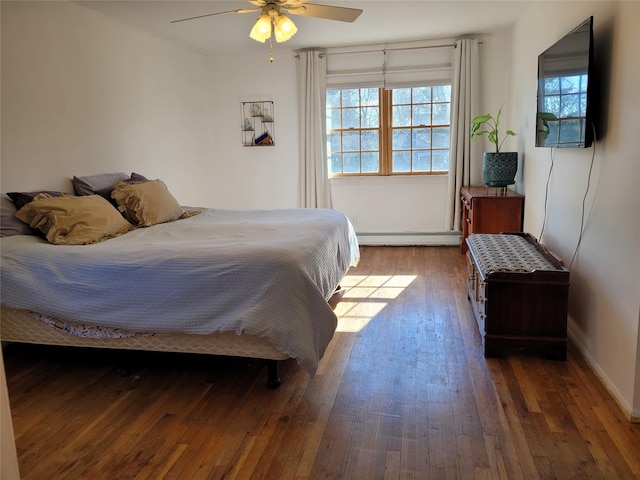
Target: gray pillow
91, 184
9, 223
20, 199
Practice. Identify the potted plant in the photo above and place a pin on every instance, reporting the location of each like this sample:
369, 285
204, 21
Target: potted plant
543, 121
498, 168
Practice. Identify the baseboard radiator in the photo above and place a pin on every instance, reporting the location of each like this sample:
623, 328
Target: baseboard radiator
399, 239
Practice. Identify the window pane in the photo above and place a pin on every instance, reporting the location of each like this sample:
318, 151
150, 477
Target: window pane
441, 114
442, 93
370, 162
552, 105
440, 138
583, 105
440, 160
570, 84
333, 119
351, 163
401, 162
401, 96
552, 85
422, 114
370, 140
351, 118
401, 139
351, 97
422, 95
569, 131
333, 142
335, 163
553, 132
371, 117
333, 98
401, 116
421, 138
570, 106
421, 160
350, 141
370, 96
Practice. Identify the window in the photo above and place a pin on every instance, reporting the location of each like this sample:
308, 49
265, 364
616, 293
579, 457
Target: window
374, 131
566, 98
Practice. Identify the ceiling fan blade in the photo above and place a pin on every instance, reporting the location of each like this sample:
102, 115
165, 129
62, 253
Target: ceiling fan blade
329, 12
239, 10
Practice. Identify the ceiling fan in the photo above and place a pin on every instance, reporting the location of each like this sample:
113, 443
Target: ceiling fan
272, 16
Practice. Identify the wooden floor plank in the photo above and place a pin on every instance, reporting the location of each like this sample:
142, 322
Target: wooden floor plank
403, 391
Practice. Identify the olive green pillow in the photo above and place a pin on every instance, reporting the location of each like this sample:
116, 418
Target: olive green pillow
147, 203
71, 220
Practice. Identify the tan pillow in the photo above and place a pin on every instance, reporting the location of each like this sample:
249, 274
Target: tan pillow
147, 203
70, 220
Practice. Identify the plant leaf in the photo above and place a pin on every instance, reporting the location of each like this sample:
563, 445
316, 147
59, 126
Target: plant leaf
481, 119
546, 116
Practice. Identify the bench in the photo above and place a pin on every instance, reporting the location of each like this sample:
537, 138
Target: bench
519, 292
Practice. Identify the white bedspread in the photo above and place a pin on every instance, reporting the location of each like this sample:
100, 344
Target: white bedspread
267, 273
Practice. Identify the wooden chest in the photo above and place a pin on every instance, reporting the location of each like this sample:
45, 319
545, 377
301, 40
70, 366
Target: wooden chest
519, 292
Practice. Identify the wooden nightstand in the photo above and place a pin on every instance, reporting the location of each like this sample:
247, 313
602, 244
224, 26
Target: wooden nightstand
489, 210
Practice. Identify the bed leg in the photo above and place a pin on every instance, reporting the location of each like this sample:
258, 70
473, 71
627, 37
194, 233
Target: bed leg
125, 366
274, 379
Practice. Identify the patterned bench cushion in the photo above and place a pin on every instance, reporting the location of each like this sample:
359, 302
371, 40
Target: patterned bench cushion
506, 253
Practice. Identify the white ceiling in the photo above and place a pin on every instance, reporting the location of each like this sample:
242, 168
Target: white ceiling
381, 21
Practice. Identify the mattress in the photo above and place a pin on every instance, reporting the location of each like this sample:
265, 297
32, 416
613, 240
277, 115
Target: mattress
266, 274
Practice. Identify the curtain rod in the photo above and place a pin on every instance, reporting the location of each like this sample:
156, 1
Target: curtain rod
390, 49
394, 49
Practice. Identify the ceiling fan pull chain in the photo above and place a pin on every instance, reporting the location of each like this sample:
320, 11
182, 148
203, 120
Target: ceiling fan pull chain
271, 46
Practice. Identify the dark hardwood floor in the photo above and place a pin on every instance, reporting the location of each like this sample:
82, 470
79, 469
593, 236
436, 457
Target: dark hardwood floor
403, 391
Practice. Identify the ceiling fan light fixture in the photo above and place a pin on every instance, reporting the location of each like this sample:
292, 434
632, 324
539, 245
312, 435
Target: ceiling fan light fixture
284, 28
261, 31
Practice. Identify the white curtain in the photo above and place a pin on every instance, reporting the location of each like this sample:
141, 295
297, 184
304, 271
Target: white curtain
465, 92
313, 183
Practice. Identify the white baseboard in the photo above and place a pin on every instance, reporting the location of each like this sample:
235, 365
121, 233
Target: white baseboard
409, 239
573, 332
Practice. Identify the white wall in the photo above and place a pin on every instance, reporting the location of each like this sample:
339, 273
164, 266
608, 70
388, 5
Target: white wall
83, 95
605, 277
254, 177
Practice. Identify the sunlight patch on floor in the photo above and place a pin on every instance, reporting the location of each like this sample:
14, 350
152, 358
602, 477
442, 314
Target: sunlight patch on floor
365, 296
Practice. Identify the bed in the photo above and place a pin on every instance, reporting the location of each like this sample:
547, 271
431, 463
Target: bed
251, 283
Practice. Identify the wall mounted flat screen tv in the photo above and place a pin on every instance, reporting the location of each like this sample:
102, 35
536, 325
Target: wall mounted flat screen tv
564, 113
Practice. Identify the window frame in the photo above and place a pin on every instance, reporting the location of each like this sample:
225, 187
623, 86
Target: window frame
385, 137
556, 126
